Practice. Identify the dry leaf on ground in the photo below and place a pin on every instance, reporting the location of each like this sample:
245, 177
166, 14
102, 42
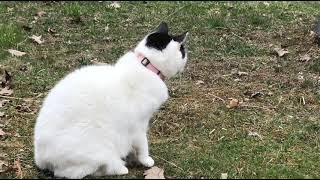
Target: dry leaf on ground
3, 164
281, 52
2, 133
16, 52
6, 91
24, 108
96, 62
36, 39
6, 79
266, 3
240, 73
51, 30
1, 114
9, 9
305, 58
224, 175
199, 82
256, 94
17, 166
3, 102
154, 173
115, 5
255, 134
233, 103
41, 13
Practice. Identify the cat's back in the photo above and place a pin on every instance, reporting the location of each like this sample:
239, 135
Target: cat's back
88, 74
84, 78
78, 89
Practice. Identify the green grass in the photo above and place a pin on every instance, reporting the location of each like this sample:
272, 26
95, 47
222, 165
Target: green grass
10, 34
315, 66
194, 134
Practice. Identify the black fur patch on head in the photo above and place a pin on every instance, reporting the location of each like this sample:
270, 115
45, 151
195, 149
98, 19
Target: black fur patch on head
182, 50
158, 41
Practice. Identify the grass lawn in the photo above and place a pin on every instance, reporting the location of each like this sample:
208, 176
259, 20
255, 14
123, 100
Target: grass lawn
274, 133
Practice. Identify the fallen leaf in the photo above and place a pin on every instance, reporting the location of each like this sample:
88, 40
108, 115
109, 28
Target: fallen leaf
237, 80
256, 94
1, 114
17, 166
41, 13
305, 58
3, 102
224, 176
23, 108
233, 103
35, 20
16, 53
281, 52
266, 3
255, 134
108, 39
23, 68
9, 9
6, 79
2, 133
300, 76
51, 30
234, 71
95, 62
36, 39
154, 173
17, 135
240, 73
6, 91
115, 5
312, 33
270, 93
199, 82
2, 165
3, 155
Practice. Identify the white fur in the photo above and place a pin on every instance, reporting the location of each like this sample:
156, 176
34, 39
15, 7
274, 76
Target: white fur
96, 115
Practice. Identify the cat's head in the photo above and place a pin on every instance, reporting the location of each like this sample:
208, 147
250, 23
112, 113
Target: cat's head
166, 52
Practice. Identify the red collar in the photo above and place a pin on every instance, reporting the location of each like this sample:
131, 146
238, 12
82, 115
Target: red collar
146, 62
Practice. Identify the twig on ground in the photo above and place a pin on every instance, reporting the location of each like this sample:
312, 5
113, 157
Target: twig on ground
169, 162
217, 97
303, 101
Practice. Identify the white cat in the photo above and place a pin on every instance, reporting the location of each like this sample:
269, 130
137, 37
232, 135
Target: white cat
96, 115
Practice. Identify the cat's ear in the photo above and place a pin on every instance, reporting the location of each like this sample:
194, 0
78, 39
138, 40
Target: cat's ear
181, 38
163, 28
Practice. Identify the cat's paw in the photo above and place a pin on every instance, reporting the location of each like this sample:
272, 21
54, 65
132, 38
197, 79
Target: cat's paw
147, 161
122, 170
